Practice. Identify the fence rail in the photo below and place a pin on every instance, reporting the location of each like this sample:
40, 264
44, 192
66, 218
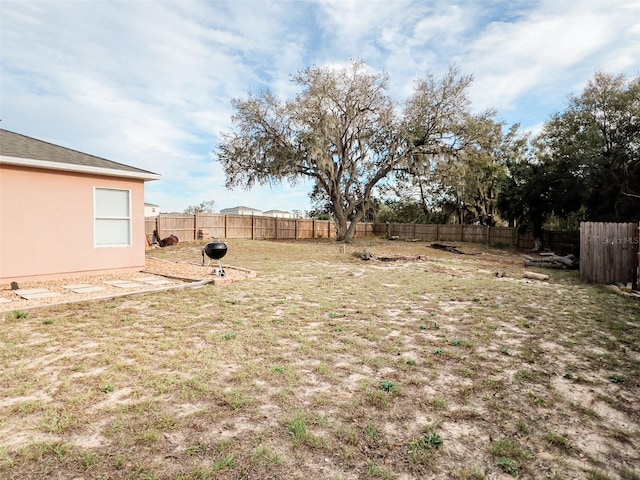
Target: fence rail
609, 253
203, 226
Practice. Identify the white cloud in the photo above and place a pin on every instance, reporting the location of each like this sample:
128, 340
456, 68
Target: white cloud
150, 83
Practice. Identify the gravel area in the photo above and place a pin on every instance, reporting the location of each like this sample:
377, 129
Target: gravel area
158, 275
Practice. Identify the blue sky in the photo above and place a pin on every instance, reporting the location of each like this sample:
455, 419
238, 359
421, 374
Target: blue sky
150, 83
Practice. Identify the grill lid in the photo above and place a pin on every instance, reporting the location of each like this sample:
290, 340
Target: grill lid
215, 250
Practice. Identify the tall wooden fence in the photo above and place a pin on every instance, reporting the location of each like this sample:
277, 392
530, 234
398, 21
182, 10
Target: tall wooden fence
609, 253
205, 226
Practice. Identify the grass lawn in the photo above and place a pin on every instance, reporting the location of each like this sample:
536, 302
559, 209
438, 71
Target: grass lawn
327, 366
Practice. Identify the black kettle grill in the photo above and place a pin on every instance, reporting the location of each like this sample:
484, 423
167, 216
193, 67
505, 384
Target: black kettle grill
215, 251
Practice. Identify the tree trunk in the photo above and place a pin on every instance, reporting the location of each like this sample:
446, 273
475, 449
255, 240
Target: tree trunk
341, 229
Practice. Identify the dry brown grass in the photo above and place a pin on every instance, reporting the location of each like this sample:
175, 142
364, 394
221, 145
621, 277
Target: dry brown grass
326, 366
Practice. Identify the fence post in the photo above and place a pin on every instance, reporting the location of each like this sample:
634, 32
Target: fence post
276, 220
488, 234
196, 221
253, 226
635, 239
461, 233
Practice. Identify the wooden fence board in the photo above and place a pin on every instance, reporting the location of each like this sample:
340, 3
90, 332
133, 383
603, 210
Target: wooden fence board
608, 252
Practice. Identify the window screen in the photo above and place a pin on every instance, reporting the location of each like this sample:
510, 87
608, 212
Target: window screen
112, 217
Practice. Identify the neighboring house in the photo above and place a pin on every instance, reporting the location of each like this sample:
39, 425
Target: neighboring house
66, 213
151, 210
241, 211
277, 214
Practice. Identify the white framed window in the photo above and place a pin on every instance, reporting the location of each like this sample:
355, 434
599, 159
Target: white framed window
112, 217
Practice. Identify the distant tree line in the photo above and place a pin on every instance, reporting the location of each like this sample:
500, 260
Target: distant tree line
431, 158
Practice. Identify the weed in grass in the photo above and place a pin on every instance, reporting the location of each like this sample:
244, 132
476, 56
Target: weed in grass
108, 388
559, 442
505, 351
377, 398
5, 458
594, 474
89, 459
278, 369
439, 403
238, 400
56, 420
48, 322
526, 376
299, 433
585, 411
227, 462
387, 386
522, 426
621, 435
507, 448
441, 352
229, 336
150, 436
323, 368
509, 466
193, 388
495, 384
467, 372
411, 363
421, 451
608, 400
537, 401
17, 314
197, 449
468, 474
261, 456
615, 378
372, 431
628, 474
378, 471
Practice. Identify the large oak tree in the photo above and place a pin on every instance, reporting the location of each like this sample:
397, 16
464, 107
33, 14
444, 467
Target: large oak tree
343, 131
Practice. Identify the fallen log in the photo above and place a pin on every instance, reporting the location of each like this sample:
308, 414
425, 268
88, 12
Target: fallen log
551, 260
450, 248
536, 276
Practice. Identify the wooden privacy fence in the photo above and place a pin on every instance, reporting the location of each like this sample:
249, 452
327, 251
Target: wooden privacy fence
204, 226
609, 253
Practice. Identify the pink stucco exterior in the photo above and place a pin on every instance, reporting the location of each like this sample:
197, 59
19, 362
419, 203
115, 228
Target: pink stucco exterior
47, 225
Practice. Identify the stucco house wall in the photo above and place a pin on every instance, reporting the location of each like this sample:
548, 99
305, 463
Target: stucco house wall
47, 222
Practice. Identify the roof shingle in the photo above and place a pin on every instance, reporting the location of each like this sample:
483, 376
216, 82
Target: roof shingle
20, 146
